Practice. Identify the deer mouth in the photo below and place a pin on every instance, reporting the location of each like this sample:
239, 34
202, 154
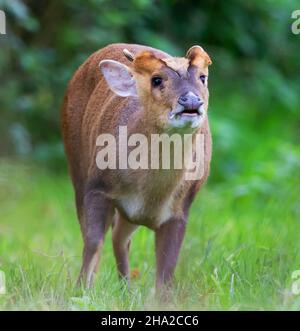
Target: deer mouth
186, 112
190, 112
181, 117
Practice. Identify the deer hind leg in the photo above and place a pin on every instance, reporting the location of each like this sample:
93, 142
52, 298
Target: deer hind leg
97, 215
122, 232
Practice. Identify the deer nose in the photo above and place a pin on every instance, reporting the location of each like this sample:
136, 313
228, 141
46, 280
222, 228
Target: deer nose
190, 100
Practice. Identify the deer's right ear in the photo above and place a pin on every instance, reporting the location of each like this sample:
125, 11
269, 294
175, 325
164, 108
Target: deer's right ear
118, 78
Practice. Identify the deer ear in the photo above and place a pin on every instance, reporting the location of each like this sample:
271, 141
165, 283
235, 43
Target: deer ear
197, 56
118, 78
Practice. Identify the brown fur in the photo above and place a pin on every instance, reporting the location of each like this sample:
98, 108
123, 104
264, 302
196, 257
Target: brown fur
147, 61
89, 109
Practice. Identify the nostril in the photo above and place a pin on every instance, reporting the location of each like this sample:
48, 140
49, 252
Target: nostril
182, 100
190, 100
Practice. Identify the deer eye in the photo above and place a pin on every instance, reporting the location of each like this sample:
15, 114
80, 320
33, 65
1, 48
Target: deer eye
156, 81
203, 79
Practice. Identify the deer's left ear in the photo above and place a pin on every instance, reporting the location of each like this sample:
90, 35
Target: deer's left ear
198, 57
118, 78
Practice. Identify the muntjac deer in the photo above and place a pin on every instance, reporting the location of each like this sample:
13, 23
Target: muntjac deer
148, 92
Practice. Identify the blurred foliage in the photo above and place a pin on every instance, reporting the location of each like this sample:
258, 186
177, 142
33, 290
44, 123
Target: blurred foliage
249, 218
254, 80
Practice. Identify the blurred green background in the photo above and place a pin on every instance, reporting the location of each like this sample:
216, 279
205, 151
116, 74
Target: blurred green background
254, 80
254, 114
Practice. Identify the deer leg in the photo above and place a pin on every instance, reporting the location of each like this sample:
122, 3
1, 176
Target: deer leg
168, 240
121, 235
97, 216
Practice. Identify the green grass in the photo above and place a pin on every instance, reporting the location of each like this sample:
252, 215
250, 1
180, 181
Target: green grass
241, 247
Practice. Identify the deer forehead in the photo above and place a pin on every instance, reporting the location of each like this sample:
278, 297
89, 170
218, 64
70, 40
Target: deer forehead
147, 61
178, 64
151, 64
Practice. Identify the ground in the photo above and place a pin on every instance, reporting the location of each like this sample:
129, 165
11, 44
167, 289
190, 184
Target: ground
239, 251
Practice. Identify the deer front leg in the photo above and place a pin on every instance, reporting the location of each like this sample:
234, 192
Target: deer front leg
97, 216
122, 231
168, 239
